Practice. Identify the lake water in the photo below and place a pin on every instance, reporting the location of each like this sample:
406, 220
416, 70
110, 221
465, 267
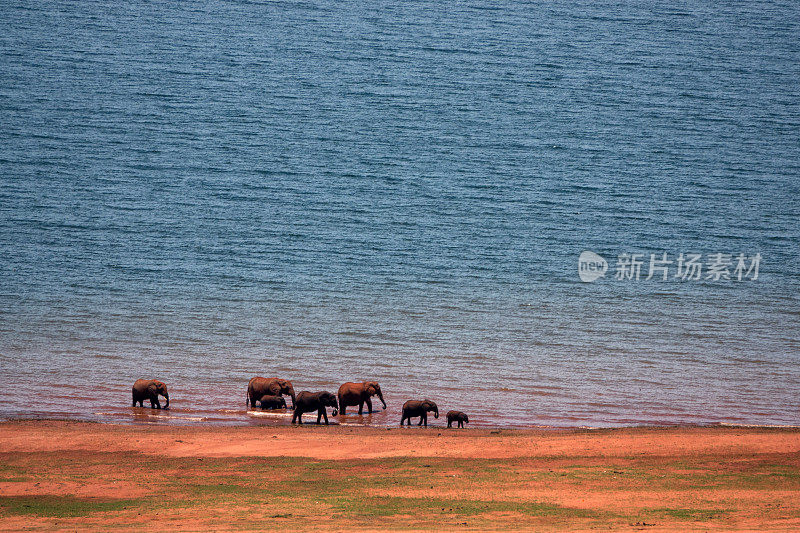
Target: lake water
332, 191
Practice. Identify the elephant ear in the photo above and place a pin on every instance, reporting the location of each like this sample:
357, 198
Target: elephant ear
153, 388
274, 388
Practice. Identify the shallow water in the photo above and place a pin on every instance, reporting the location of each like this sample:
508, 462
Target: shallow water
331, 192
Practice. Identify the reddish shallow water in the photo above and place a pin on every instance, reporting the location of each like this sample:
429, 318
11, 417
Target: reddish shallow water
224, 404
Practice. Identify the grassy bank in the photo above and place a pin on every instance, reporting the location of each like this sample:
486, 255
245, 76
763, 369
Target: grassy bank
738, 487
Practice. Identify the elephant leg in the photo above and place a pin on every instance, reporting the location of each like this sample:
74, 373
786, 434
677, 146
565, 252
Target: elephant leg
369, 405
325, 415
449, 423
319, 414
421, 418
425, 419
134, 403
402, 419
343, 410
361, 407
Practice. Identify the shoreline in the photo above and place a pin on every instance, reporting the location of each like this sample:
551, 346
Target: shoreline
256, 421
66, 475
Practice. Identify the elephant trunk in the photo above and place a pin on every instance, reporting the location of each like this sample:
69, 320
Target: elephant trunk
291, 393
335, 408
436, 413
380, 395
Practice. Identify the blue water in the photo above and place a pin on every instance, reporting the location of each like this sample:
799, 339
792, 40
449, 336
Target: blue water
333, 191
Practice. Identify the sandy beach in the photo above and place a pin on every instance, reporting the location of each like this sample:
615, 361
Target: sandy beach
60, 475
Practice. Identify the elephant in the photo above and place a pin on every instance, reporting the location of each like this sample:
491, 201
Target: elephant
272, 402
359, 394
259, 386
314, 401
457, 416
149, 389
414, 408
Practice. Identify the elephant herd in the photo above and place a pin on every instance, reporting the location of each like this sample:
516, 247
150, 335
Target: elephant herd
269, 393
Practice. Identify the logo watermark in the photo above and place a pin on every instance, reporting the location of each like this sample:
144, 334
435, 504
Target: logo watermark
591, 266
684, 267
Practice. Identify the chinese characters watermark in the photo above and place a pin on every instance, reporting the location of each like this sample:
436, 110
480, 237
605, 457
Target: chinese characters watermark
684, 267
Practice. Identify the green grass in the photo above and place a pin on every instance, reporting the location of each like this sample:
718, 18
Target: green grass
62, 506
691, 514
393, 505
219, 489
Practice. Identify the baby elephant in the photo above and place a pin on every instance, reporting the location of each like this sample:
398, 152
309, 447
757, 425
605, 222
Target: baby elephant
416, 408
457, 416
272, 402
307, 402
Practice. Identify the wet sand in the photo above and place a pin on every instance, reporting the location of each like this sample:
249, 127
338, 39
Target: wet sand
58, 475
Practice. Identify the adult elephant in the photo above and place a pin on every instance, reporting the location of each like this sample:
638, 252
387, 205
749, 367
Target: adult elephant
417, 408
314, 401
149, 389
359, 394
259, 386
